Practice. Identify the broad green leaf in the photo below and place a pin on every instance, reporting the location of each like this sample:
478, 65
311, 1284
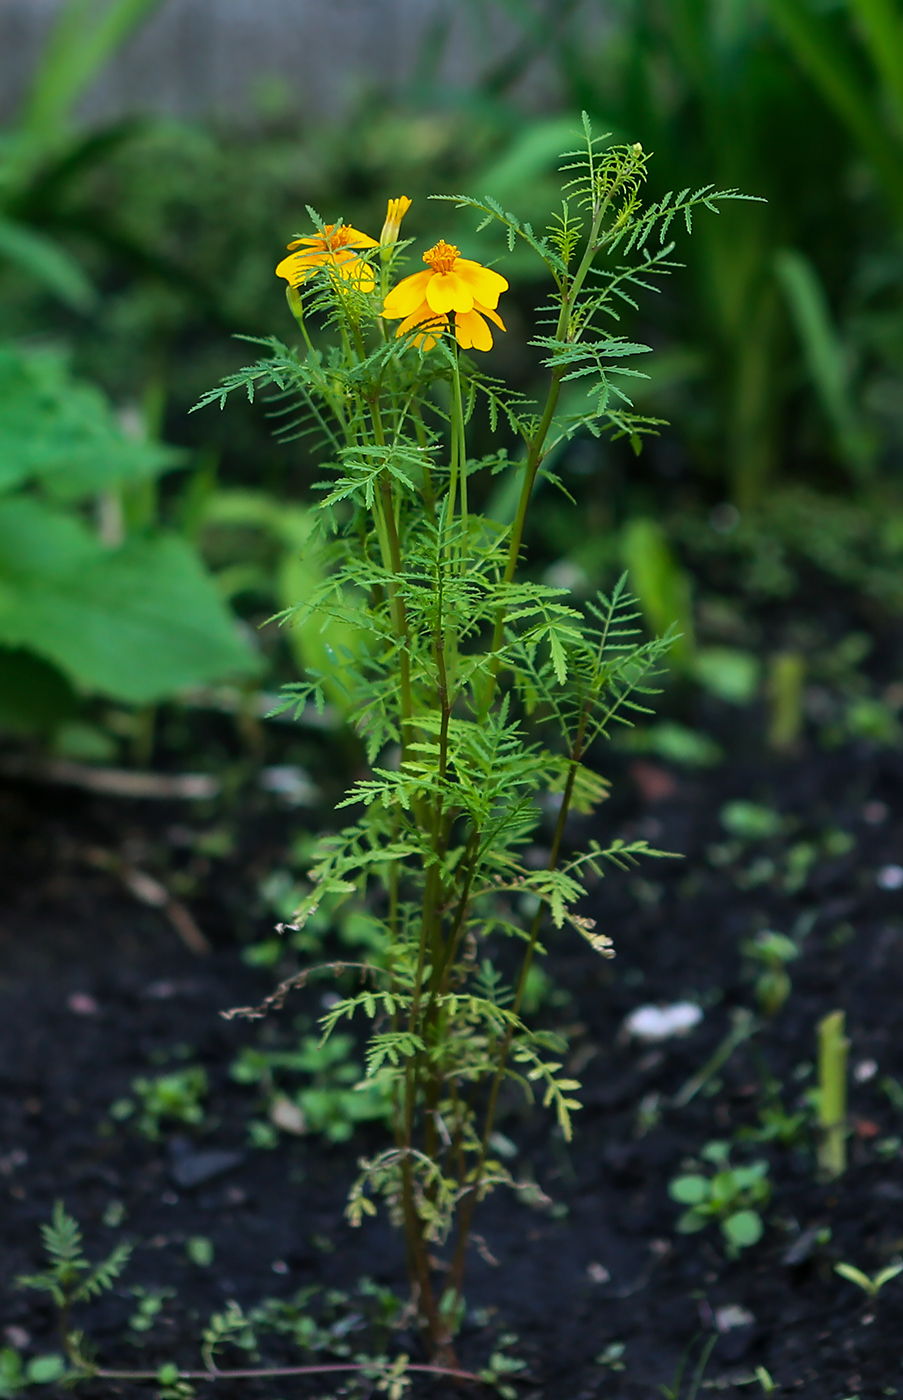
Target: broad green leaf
43, 1370
728, 673
34, 696
743, 1228
693, 1220
63, 431
323, 648
138, 623
46, 261
689, 1190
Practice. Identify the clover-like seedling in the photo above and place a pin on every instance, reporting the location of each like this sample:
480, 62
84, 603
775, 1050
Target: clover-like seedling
772, 951
729, 1196
870, 1286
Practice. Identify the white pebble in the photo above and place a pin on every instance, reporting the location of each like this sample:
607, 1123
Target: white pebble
650, 1023
890, 877
733, 1315
865, 1070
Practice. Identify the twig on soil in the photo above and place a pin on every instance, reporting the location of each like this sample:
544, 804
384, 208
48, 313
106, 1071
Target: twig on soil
745, 1025
148, 890
276, 1000
100, 1373
113, 782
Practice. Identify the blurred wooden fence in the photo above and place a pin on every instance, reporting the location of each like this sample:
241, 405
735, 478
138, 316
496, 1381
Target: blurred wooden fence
221, 57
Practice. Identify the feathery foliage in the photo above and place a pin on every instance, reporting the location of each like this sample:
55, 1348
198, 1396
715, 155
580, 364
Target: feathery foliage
479, 692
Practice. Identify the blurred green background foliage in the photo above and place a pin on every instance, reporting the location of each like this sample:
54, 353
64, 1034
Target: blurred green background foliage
141, 548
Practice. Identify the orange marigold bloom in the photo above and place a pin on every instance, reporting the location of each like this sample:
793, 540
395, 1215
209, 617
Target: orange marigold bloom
451, 284
334, 247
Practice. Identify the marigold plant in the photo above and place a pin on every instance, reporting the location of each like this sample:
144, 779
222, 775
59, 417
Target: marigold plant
479, 692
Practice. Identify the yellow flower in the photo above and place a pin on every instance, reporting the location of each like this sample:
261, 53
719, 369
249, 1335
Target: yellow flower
395, 212
451, 284
335, 248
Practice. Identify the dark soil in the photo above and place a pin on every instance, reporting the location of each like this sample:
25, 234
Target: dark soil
96, 988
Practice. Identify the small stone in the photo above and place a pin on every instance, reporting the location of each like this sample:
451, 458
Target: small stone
865, 1070
279, 1266
597, 1273
733, 1315
287, 1115
17, 1337
293, 784
82, 1004
890, 877
160, 991
190, 1168
652, 1023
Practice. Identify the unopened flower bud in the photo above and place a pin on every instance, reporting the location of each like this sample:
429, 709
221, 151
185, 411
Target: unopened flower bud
395, 212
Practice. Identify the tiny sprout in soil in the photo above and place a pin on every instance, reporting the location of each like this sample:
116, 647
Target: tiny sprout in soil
729, 1197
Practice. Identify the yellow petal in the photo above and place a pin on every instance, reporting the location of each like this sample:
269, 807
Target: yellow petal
472, 331
297, 267
446, 291
407, 296
356, 239
493, 315
425, 316
357, 271
487, 286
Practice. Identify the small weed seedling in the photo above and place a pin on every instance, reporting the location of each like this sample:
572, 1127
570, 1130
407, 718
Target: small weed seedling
730, 1197
176, 1096
777, 1125
70, 1278
771, 952
334, 1099
871, 1287
674, 1391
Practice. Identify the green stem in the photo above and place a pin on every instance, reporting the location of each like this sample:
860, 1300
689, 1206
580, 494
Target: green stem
468, 1205
536, 449
459, 440
833, 1048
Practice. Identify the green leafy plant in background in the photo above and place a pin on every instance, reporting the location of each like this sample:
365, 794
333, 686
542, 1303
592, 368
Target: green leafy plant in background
176, 1097
41, 154
335, 1098
731, 1196
475, 690
711, 88
111, 606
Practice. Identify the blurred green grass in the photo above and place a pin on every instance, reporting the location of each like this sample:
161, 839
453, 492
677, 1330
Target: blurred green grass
144, 247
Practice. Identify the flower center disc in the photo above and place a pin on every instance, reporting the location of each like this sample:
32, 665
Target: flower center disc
442, 257
336, 235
